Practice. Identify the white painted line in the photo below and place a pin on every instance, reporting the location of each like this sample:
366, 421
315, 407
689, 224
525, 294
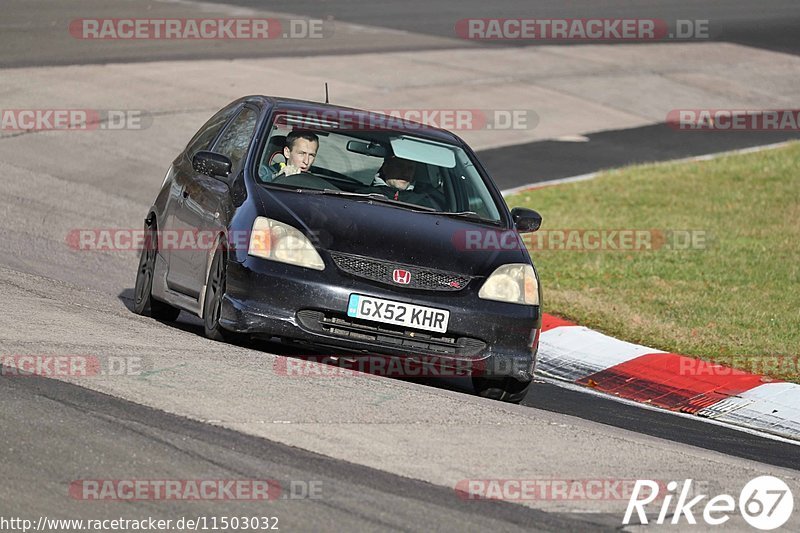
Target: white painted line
548, 183
592, 175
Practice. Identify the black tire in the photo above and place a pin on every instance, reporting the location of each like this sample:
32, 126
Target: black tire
504, 389
143, 301
212, 304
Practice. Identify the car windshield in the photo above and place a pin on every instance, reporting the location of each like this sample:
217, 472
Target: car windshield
406, 169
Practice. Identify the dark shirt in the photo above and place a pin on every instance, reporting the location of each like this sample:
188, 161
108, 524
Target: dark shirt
407, 196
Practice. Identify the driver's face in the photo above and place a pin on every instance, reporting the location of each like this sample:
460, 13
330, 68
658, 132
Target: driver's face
302, 154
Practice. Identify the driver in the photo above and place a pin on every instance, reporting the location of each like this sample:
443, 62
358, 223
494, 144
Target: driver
300, 152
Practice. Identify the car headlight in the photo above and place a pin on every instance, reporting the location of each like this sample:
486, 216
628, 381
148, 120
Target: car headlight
281, 242
514, 283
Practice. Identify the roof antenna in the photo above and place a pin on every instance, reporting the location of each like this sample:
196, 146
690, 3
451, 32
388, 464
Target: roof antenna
326, 93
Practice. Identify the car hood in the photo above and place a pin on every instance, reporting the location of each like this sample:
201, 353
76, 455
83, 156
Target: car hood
361, 227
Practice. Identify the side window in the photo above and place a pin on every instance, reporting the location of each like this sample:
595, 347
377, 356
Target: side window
206, 135
236, 138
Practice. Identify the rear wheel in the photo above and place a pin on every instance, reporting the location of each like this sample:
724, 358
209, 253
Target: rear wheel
212, 304
143, 301
503, 389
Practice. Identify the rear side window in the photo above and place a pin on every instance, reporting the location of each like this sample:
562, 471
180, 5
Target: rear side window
206, 135
236, 138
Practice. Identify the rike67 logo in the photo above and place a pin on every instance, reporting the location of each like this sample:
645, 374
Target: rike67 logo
765, 503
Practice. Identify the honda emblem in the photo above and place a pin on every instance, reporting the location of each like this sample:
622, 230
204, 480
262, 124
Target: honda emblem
403, 277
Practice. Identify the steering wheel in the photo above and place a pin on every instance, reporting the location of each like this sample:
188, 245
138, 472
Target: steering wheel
276, 157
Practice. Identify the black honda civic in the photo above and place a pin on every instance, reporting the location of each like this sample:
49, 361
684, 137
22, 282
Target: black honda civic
345, 230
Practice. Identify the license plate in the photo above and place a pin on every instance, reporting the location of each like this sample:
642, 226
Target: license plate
398, 313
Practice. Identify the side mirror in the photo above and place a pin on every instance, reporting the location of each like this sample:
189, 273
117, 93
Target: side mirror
526, 220
211, 164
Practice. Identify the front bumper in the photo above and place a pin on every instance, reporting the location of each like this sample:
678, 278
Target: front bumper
269, 299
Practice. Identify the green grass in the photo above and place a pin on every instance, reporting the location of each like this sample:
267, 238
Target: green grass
738, 296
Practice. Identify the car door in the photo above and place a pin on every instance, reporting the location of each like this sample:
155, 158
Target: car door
208, 200
174, 221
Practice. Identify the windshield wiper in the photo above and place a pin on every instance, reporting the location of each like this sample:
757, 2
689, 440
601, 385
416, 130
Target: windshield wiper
286, 186
334, 192
462, 214
377, 197
472, 215
299, 189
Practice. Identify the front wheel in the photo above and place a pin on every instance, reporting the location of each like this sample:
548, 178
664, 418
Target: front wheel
212, 304
143, 298
504, 389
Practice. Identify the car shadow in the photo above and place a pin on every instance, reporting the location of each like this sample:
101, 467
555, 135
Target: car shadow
126, 297
190, 323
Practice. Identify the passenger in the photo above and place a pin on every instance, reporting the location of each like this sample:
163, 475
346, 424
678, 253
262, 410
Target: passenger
395, 180
397, 174
300, 152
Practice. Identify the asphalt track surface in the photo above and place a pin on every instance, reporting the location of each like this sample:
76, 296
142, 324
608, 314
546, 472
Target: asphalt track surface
536, 162
769, 24
663, 425
548, 396
28, 37
54, 432
95, 428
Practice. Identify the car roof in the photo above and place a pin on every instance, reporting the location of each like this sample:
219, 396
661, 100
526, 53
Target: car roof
319, 109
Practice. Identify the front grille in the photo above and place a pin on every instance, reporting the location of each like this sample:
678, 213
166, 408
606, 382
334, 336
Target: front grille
389, 336
421, 278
